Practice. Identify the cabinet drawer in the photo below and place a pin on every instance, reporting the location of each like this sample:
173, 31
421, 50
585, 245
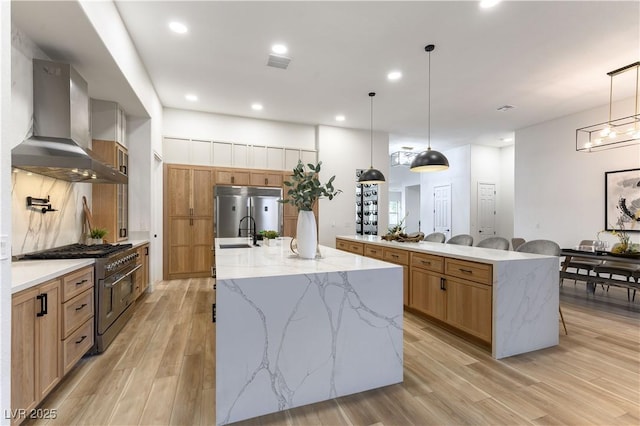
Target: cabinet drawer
373, 251
356, 248
76, 345
76, 311
478, 272
77, 282
401, 257
427, 261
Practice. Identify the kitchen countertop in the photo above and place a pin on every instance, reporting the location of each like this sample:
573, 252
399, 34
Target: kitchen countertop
29, 273
268, 261
475, 254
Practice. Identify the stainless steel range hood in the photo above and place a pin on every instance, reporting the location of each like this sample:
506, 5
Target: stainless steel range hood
60, 141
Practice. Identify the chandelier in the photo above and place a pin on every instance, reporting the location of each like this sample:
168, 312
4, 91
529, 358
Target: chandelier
614, 133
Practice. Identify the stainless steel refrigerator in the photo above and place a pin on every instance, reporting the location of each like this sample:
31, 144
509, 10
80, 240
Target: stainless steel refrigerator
235, 205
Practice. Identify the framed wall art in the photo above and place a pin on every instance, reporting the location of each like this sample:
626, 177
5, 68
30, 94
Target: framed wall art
622, 200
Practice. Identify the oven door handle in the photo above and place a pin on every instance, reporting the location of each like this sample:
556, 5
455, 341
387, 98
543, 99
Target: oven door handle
113, 284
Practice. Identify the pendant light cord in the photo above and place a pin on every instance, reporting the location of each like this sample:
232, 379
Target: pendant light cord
371, 95
429, 49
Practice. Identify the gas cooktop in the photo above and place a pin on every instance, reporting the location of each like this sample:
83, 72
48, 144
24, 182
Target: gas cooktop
78, 251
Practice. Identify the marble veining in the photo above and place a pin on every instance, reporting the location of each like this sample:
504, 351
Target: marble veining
33, 230
309, 337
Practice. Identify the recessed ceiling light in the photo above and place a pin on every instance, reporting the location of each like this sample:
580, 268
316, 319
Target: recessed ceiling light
191, 97
256, 107
178, 27
279, 49
394, 75
485, 4
507, 139
340, 118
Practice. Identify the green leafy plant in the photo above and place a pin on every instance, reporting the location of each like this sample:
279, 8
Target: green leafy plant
269, 234
98, 233
306, 189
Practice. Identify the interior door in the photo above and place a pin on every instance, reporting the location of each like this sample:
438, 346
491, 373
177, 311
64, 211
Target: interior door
486, 210
442, 210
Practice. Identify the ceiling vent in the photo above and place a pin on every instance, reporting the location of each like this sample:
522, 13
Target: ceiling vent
278, 61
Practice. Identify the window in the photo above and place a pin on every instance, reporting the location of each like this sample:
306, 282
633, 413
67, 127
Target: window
394, 213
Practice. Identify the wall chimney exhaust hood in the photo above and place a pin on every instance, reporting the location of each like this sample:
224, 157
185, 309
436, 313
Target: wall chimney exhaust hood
59, 147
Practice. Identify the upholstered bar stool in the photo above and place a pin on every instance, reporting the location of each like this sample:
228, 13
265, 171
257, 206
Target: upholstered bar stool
517, 242
435, 237
461, 240
498, 243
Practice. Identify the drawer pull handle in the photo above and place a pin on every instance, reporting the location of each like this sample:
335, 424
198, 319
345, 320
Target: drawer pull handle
81, 306
395, 256
466, 271
82, 282
373, 251
426, 262
81, 339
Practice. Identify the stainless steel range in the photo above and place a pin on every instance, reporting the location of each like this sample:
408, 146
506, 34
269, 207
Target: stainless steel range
113, 278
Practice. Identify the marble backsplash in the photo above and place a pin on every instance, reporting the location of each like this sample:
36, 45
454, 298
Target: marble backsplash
32, 230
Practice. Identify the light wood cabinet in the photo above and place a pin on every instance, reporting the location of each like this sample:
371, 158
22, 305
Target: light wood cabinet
108, 121
232, 177
141, 277
428, 294
35, 344
469, 307
456, 292
350, 246
77, 310
110, 205
263, 178
188, 221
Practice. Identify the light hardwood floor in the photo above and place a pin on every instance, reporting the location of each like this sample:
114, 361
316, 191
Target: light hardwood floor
160, 370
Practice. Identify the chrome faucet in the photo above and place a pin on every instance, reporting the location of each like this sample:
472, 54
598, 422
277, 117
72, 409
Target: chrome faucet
252, 229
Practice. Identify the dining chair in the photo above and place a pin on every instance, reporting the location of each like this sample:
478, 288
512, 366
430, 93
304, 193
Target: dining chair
549, 248
579, 263
461, 240
498, 243
435, 237
629, 271
517, 242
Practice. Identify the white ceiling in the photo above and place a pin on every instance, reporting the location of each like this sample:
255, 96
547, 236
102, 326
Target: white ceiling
547, 58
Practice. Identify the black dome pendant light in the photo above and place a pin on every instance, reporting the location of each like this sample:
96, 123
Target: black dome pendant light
372, 175
429, 160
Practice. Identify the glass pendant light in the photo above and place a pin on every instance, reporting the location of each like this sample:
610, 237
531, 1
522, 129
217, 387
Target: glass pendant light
371, 175
429, 160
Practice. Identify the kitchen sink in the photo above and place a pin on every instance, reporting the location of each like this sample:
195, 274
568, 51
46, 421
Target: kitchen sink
226, 246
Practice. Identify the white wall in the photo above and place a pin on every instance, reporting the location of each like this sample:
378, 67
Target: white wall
504, 203
5, 203
459, 176
559, 192
342, 151
147, 181
227, 128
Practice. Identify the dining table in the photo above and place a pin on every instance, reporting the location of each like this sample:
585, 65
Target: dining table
625, 259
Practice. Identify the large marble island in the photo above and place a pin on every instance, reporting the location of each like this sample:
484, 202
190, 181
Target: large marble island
291, 331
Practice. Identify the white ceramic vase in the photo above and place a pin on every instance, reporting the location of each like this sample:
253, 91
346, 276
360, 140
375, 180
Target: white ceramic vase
307, 235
